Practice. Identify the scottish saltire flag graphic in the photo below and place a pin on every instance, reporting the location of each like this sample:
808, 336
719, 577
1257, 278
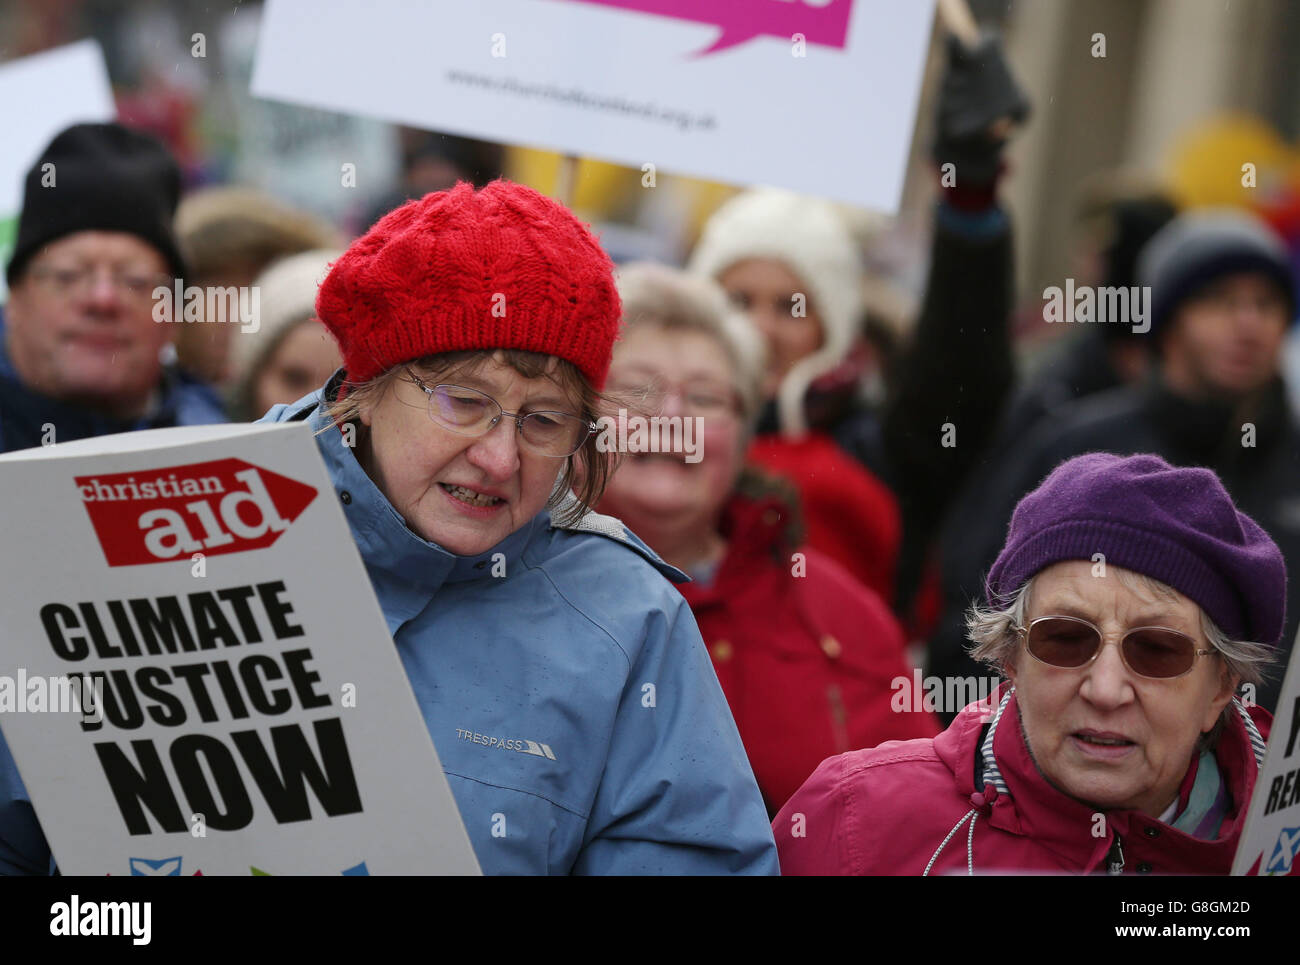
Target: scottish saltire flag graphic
1284, 852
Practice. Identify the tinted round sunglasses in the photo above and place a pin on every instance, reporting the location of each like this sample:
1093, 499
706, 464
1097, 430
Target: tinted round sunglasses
1070, 642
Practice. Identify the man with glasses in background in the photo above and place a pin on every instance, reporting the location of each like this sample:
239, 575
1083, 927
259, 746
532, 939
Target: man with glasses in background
81, 353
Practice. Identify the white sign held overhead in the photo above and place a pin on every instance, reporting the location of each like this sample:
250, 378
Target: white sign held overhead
817, 96
40, 95
200, 680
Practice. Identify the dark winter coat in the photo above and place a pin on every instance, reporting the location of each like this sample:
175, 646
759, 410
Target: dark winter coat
29, 419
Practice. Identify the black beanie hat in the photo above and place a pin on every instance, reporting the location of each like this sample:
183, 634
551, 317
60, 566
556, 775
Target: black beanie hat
106, 177
1200, 247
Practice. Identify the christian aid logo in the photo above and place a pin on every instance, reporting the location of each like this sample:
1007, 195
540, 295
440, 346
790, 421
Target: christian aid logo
223, 506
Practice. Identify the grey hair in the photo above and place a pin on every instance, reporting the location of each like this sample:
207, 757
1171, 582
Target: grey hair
992, 631
654, 294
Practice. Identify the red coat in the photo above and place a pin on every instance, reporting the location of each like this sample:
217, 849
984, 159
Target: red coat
806, 661
887, 811
849, 514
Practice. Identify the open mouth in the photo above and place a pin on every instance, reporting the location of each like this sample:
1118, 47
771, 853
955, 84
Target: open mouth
1103, 745
1104, 741
470, 497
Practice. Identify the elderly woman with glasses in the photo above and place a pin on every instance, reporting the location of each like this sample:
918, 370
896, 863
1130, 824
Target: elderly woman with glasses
807, 656
1131, 602
560, 674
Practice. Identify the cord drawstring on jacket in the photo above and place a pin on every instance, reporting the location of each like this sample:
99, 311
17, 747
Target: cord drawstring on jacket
1252, 732
973, 814
993, 777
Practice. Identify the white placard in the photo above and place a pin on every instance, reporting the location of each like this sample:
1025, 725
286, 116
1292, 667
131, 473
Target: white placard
251, 714
1270, 843
40, 95
818, 96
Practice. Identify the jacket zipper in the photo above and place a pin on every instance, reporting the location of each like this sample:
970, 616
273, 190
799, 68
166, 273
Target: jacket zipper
1115, 857
839, 718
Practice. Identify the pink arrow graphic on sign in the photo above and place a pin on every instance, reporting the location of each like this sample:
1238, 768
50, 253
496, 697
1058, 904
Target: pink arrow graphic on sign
825, 22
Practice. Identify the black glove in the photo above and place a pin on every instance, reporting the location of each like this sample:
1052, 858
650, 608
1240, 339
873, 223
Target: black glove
977, 90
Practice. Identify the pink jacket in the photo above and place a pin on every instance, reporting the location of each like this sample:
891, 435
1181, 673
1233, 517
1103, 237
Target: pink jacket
908, 806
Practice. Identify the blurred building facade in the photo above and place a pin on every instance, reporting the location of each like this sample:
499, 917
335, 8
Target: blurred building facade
1169, 66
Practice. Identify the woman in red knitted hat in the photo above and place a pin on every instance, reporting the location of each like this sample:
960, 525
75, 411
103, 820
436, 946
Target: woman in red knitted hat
562, 678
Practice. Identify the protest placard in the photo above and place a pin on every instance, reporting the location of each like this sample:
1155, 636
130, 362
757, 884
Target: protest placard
40, 95
236, 703
1270, 842
818, 96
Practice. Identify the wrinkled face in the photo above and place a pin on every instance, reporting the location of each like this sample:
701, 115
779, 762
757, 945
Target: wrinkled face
464, 493
684, 374
81, 325
1100, 733
304, 360
1226, 341
765, 290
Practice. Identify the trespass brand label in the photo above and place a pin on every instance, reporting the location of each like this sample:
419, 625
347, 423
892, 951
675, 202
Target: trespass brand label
158, 515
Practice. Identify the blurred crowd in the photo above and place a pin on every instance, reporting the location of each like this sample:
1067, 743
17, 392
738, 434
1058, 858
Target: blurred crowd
858, 476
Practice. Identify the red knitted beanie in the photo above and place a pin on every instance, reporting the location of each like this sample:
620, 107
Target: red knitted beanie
504, 267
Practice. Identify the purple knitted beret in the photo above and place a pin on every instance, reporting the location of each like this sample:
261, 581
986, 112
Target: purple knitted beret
1175, 524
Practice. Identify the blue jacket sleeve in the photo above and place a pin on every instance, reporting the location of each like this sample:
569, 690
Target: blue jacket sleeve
678, 796
23, 849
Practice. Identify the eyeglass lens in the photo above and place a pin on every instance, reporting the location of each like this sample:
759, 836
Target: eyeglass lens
472, 412
1148, 651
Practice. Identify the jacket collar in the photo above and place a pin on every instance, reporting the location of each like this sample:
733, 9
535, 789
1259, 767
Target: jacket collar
1036, 809
1032, 808
759, 530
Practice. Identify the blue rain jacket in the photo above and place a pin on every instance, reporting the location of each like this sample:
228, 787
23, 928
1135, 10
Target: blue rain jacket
564, 682
567, 690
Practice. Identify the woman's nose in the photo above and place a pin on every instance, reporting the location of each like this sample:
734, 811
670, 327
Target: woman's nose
1108, 682
496, 452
